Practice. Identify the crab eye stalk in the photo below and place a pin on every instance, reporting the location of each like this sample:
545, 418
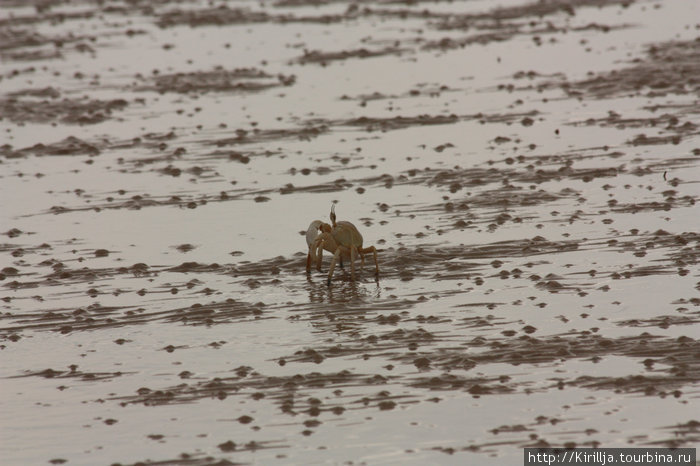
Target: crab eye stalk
333, 214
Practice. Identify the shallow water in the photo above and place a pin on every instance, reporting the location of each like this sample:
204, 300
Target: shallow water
528, 174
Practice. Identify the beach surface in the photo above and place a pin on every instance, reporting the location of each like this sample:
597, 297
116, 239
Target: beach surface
529, 173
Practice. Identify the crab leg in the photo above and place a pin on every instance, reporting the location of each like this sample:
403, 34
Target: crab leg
333, 261
339, 253
308, 261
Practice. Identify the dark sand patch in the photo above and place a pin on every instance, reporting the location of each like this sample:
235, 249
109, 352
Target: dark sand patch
69, 146
219, 16
289, 392
258, 136
225, 16
323, 58
96, 316
538, 9
217, 80
72, 373
44, 14
670, 68
371, 124
67, 111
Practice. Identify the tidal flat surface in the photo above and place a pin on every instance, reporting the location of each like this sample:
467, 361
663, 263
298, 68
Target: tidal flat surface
528, 171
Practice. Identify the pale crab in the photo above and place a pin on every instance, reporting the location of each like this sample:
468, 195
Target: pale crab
342, 239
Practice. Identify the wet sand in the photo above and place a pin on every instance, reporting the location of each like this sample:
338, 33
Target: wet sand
528, 173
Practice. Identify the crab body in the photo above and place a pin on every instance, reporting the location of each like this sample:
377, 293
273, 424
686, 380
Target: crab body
344, 240
346, 234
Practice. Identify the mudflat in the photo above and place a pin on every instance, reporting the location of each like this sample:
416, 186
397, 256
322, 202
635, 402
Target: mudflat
529, 173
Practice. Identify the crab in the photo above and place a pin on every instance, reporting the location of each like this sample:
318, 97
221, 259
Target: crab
343, 240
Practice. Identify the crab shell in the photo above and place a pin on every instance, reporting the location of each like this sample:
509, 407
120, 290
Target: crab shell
345, 234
